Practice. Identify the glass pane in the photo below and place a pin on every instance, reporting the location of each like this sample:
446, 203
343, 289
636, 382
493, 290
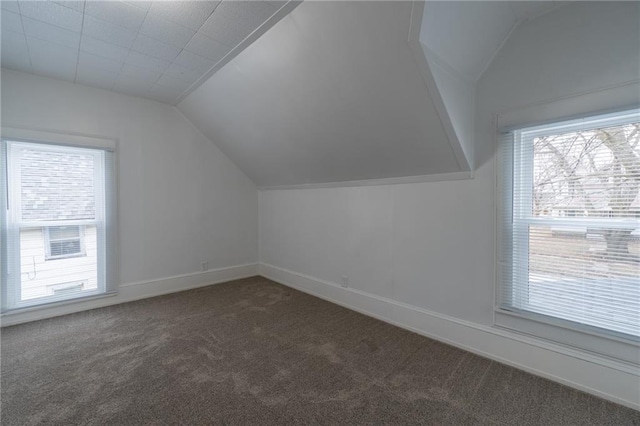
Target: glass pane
592, 173
590, 275
63, 232
56, 185
46, 277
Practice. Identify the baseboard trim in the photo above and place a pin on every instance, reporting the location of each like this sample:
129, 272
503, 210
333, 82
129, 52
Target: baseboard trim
130, 292
617, 382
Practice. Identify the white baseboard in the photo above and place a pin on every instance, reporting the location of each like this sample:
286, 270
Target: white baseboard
135, 291
605, 378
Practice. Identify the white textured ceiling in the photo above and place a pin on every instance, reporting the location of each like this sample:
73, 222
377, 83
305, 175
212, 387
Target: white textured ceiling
155, 49
330, 94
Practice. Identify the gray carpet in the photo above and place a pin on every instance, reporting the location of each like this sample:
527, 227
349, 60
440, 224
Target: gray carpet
253, 352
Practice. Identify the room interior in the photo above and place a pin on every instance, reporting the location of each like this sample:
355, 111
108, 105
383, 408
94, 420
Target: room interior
302, 211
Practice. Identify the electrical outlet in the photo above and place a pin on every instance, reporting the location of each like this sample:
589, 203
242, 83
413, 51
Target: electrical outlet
345, 281
204, 265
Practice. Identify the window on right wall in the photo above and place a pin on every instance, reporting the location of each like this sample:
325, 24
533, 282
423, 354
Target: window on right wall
570, 245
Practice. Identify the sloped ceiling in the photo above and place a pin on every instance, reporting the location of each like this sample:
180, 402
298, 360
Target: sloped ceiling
466, 35
331, 93
336, 91
459, 39
154, 49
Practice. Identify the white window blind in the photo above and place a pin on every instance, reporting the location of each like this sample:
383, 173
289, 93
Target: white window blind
570, 245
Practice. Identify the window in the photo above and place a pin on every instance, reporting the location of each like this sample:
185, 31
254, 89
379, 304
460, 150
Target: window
57, 220
570, 237
64, 241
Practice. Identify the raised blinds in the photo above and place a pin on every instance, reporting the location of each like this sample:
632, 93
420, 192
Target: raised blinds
570, 248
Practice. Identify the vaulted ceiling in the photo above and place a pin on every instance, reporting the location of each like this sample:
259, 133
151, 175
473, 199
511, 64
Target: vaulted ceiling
349, 91
331, 93
294, 93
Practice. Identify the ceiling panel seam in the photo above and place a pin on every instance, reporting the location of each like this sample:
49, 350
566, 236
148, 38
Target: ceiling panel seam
25, 38
255, 34
75, 77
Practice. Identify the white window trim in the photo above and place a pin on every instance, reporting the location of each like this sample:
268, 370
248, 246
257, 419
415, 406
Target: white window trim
522, 218
61, 139
586, 339
58, 138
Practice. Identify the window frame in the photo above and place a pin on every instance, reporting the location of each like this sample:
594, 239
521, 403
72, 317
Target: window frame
109, 229
47, 241
586, 338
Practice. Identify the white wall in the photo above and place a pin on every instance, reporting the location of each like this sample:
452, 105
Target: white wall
422, 255
180, 200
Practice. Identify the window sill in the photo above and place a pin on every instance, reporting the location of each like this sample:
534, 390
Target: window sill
569, 335
69, 256
55, 304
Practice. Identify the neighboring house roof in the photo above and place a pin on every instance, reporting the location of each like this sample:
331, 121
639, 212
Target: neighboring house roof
57, 186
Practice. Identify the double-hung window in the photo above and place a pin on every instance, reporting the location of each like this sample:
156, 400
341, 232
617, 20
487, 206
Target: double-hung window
570, 225
57, 218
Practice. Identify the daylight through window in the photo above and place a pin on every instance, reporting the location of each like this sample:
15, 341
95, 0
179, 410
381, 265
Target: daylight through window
571, 243
55, 229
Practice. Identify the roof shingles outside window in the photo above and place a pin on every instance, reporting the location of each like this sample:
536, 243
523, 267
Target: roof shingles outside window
57, 186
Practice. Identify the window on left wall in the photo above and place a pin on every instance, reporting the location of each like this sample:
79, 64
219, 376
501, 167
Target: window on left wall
57, 223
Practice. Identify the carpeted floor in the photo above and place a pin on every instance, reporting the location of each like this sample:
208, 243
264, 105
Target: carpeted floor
253, 352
